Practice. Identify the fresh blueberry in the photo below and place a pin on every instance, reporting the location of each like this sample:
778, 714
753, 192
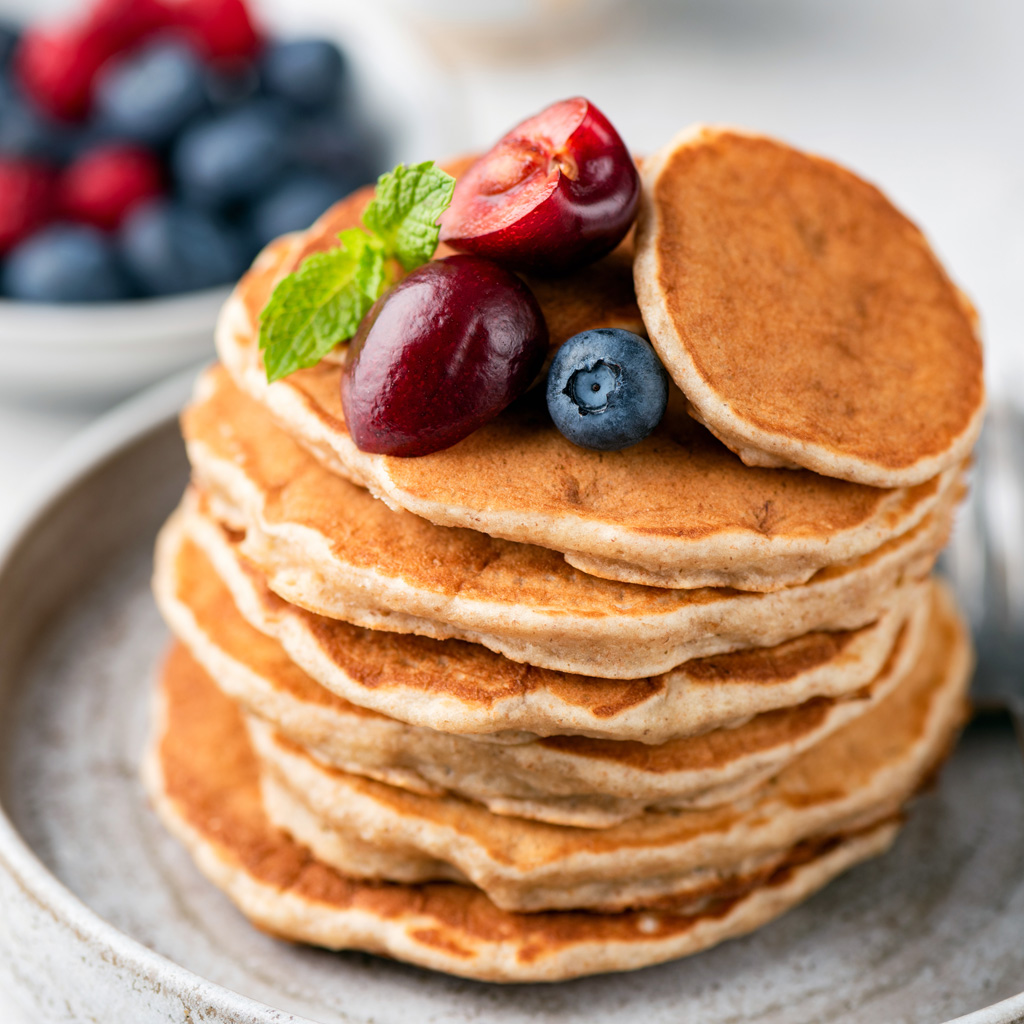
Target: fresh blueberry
152, 94
65, 263
230, 86
340, 148
8, 41
27, 133
308, 73
293, 205
606, 389
234, 157
171, 248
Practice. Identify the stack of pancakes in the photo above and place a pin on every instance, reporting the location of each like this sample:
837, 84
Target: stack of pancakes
524, 711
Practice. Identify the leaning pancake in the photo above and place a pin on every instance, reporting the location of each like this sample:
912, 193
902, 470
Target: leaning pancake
677, 510
202, 777
807, 320
332, 548
859, 775
567, 780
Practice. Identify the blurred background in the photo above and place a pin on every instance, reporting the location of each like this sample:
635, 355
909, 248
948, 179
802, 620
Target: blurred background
922, 97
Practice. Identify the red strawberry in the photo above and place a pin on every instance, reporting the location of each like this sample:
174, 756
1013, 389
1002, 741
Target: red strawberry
105, 184
57, 68
26, 199
220, 29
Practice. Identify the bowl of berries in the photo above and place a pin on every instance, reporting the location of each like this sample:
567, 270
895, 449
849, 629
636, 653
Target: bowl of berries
148, 150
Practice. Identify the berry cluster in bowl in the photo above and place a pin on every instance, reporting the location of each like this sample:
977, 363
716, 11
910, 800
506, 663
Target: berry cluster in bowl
152, 147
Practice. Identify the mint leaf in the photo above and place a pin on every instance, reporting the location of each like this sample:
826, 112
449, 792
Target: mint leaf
320, 305
405, 209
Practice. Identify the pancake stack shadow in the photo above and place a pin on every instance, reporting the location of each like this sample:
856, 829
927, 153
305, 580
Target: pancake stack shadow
521, 711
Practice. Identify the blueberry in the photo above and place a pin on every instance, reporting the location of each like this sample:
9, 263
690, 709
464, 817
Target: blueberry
26, 132
230, 86
234, 157
293, 205
170, 248
340, 148
606, 389
8, 41
65, 263
153, 94
308, 73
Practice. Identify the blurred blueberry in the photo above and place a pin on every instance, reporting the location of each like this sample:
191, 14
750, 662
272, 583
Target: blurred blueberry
230, 85
234, 157
308, 73
8, 41
25, 132
152, 94
65, 263
170, 248
79, 139
339, 148
293, 205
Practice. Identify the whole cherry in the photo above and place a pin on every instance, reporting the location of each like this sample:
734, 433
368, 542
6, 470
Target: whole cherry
439, 355
557, 192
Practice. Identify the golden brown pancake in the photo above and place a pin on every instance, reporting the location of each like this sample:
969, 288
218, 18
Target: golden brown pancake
202, 777
676, 510
569, 780
805, 318
332, 548
462, 688
860, 774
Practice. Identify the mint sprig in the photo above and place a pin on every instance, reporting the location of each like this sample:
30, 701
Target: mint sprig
405, 210
320, 305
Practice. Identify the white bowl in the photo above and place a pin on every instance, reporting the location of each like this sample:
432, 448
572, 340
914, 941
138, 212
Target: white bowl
95, 352
92, 353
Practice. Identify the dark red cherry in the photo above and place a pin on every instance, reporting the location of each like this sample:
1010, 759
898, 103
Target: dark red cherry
440, 354
557, 192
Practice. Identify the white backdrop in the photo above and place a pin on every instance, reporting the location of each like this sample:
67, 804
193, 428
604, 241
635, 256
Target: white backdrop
924, 97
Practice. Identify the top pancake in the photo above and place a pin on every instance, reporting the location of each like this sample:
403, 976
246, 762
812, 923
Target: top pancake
678, 510
805, 318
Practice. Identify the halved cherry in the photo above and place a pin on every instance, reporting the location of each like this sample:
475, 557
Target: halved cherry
557, 192
440, 354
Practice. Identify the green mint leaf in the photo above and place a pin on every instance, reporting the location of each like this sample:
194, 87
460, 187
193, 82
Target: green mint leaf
405, 209
320, 305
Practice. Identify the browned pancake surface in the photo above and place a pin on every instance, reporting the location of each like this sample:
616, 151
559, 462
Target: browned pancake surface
680, 484
857, 757
445, 560
210, 775
808, 304
467, 671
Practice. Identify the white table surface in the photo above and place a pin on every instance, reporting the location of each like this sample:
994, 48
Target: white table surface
925, 99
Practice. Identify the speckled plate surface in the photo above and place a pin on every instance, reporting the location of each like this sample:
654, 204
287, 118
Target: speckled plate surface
104, 918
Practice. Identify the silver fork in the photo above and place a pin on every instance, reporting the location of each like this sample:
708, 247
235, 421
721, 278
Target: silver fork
985, 561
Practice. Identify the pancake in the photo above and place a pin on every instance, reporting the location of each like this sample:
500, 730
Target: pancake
563, 779
859, 775
676, 510
805, 318
202, 778
457, 687
329, 546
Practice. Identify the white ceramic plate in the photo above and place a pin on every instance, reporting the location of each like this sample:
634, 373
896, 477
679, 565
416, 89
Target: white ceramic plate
95, 352
103, 916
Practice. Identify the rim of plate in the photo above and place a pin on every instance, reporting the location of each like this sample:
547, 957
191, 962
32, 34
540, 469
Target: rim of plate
118, 430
